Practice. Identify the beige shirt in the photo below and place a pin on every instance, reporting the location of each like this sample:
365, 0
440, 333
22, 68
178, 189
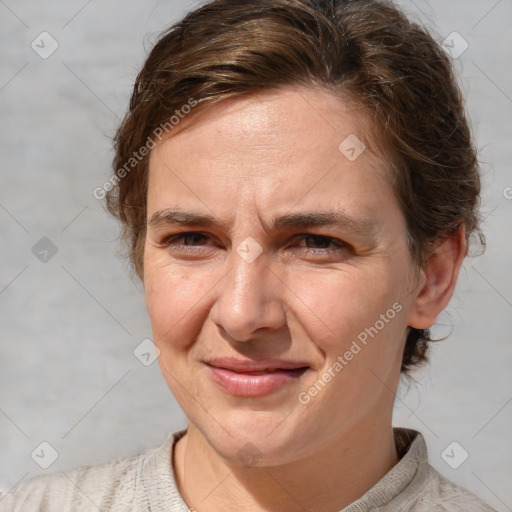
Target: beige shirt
145, 483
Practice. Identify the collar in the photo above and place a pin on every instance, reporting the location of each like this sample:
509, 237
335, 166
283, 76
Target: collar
401, 484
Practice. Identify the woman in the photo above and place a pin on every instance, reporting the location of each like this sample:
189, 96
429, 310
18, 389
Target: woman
297, 185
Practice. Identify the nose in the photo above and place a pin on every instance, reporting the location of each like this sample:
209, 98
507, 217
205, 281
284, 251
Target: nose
249, 301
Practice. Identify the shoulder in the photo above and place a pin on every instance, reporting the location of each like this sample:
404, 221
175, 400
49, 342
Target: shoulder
442, 495
419, 486
107, 486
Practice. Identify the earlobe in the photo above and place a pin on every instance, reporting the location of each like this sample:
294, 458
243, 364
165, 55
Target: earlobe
438, 279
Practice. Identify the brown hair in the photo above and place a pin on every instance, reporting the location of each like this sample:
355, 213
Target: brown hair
366, 51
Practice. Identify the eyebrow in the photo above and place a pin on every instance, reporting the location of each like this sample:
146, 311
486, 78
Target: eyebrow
363, 227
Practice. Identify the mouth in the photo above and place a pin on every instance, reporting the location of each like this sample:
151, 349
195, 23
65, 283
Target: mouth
242, 380
266, 372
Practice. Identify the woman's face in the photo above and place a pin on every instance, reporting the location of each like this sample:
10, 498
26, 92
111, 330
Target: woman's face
281, 320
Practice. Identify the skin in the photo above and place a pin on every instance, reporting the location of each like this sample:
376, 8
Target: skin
246, 161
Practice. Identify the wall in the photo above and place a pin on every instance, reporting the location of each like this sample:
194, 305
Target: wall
71, 314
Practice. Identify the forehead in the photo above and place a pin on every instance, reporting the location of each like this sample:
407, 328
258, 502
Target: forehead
273, 122
271, 151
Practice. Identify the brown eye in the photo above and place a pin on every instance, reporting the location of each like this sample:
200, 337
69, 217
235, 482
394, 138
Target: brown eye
323, 243
189, 239
188, 244
193, 238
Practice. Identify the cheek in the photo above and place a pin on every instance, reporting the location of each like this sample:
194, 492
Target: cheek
359, 327
361, 335
174, 301
337, 306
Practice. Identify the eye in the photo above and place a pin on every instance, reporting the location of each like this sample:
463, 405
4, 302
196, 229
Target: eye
197, 242
190, 241
193, 237
321, 244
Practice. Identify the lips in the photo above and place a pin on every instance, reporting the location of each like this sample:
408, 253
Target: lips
252, 366
248, 378
266, 371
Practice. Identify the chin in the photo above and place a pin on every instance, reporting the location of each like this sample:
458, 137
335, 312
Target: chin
254, 438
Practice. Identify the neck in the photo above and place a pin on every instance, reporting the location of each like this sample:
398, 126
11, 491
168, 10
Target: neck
327, 481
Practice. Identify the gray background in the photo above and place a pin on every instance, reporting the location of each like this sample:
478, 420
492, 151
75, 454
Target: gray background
68, 375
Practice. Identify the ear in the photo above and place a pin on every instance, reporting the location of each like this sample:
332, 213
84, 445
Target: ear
437, 280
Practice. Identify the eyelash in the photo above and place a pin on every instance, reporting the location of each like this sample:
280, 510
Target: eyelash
337, 244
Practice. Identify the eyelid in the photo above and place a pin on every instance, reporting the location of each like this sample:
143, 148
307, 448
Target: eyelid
169, 238
336, 244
